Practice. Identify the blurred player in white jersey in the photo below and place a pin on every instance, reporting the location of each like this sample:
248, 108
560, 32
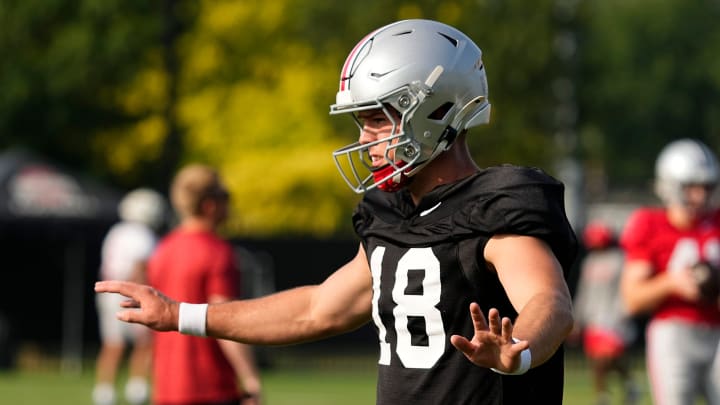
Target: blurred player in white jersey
125, 251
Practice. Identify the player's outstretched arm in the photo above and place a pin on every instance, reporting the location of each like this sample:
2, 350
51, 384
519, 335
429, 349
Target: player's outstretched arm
534, 282
340, 304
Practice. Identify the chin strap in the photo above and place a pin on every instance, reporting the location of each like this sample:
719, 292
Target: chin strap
393, 183
396, 182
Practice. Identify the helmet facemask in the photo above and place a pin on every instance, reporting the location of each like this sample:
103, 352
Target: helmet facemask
355, 163
404, 155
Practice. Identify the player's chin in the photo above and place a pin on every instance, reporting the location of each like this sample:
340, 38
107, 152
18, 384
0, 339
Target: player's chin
697, 210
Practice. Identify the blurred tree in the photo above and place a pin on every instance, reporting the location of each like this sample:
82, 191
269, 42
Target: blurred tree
129, 90
62, 64
246, 86
253, 101
258, 78
650, 74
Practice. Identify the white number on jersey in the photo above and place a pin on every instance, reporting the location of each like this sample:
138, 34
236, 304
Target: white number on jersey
687, 252
411, 305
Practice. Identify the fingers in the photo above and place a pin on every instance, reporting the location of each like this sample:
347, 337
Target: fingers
125, 288
130, 304
462, 344
129, 316
684, 284
134, 291
507, 329
478, 318
521, 345
494, 322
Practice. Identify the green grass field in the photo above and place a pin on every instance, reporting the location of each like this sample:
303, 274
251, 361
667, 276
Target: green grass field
293, 379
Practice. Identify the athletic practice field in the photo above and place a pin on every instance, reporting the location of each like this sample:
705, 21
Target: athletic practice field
291, 378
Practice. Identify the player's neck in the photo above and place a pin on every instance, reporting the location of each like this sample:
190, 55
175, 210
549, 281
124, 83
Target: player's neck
681, 218
197, 224
450, 166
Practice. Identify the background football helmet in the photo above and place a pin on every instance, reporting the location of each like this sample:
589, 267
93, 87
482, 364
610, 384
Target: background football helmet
598, 235
432, 75
683, 162
145, 206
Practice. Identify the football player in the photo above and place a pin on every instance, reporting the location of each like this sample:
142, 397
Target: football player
461, 268
662, 247
600, 316
125, 251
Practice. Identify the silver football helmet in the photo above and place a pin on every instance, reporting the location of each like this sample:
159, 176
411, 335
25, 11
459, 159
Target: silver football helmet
145, 206
432, 75
684, 162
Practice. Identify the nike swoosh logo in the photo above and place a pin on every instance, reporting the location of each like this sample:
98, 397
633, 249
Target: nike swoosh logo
381, 74
431, 209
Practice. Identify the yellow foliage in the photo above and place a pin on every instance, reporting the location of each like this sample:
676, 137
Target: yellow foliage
147, 92
269, 132
261, 119
124, 147
207, 58
235, 16
274, 145
277, 191
145, 97
449, 12
409, 11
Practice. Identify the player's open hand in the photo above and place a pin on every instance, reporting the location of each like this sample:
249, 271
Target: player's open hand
145, 305
492, 345
684, 284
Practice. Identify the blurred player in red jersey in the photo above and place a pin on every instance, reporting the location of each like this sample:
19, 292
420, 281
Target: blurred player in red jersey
600, 316
194, 263
662, 246
443, 242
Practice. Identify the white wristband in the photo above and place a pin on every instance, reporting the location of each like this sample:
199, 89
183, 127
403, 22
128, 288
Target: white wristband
525, 362
192, 319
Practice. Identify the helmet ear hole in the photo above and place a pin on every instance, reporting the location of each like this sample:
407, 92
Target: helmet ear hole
440, 113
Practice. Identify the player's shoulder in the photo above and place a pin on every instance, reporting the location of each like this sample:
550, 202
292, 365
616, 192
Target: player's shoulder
490, 196
509, 175
132, 231
644, 216
181, 236
510, 187
505, 187
643, 224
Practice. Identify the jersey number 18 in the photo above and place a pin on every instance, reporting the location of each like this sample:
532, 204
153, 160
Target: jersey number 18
411, 305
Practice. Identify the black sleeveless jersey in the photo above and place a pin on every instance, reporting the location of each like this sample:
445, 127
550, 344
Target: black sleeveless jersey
427, 267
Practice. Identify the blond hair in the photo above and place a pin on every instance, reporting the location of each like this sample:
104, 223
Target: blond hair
192, 185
